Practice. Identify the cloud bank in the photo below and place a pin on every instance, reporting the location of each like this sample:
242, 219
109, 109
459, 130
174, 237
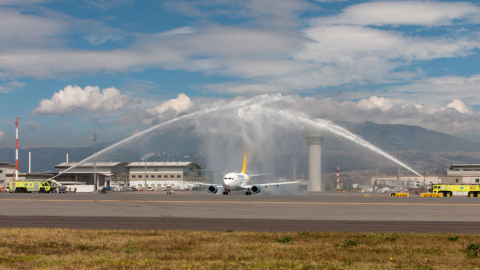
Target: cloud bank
273, 50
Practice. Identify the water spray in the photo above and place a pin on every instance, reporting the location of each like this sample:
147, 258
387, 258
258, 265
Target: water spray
245, 117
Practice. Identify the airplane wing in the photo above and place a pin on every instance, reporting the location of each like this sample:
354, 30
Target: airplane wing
255, 175
201, 184
272, 184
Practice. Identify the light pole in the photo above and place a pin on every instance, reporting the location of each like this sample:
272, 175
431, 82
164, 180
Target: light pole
398, 147
94, 163
146, 144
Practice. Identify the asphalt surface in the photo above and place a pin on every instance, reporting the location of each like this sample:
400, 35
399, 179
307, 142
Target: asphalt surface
199, 211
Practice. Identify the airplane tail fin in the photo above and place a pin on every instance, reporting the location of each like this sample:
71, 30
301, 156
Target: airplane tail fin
244, 162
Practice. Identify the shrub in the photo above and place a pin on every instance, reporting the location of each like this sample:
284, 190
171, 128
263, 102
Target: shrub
454, 238
284, 239
472, 250
391, 238
350, 243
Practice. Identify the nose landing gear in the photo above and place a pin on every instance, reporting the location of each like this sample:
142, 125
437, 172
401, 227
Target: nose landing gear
227, 192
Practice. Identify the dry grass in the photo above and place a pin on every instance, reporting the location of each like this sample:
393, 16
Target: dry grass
121, 249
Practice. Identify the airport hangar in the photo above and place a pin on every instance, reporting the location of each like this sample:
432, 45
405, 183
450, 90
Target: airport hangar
118, 174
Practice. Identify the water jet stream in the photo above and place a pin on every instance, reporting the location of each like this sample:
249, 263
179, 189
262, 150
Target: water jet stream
250, 112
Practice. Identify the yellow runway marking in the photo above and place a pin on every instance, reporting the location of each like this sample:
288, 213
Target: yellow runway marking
249, 202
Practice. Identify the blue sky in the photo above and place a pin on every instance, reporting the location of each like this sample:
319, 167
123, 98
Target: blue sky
72, 68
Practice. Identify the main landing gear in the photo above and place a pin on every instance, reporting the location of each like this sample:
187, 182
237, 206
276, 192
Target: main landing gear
227, 192
248, 192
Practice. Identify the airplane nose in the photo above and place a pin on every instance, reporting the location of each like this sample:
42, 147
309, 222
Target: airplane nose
229, 184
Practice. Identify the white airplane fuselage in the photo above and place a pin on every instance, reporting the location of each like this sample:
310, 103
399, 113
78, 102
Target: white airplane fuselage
235, 181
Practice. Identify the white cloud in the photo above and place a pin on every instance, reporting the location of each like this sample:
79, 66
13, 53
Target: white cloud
180, 104
177, 31
449, 120
459, 106
74, 99
286, 58
167, 110
108, 4
375, 102
259, 9
437, 91
428, 13
10, 86
21, 2
241, 89
22, 29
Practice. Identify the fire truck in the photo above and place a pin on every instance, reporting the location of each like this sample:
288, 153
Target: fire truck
457, 190
40, 186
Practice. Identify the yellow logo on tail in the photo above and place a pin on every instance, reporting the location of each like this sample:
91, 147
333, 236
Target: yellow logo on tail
244, 162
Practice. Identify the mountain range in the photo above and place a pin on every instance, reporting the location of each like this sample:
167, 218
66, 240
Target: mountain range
421, 147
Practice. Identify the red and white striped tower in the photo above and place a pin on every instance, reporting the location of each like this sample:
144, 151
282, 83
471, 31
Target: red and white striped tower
16, 148
338, 178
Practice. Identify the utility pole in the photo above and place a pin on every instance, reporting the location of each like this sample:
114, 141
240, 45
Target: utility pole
146, 145
16, 147
398, 147
94, 163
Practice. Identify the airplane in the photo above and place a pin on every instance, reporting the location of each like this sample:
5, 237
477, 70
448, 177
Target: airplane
239, 181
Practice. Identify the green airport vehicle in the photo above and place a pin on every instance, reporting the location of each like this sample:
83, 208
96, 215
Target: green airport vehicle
457, 190
41, 186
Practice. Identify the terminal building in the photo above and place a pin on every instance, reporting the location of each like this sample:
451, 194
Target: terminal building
163, 174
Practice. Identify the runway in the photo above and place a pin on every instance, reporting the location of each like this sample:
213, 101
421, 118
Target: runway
198, 211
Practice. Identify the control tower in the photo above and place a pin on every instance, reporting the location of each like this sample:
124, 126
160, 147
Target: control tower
314, 139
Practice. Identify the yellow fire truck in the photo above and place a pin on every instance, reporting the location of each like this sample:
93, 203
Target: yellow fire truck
41, 186
457, 190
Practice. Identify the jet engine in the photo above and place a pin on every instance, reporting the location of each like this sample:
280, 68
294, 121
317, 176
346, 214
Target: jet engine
256, 189
212, 189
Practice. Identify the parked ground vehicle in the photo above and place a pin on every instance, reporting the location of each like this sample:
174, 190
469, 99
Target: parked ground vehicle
457, 190
150, 189
170, 190
384, 190
41, 186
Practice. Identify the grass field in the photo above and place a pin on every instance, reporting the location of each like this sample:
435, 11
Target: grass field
112, 249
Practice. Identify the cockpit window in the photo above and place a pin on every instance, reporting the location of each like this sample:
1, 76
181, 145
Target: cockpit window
240, 176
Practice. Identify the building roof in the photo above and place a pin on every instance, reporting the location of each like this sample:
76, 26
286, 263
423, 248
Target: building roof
163, 164
6, 164
89, 164
32, 174
465, 165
